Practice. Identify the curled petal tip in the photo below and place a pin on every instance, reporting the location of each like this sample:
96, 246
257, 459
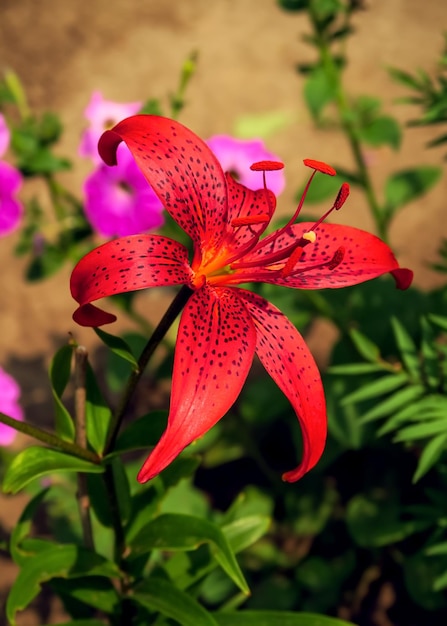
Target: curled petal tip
403, 277
90, 315
108, 145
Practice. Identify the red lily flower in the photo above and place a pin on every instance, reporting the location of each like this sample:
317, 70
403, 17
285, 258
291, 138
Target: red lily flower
222, 326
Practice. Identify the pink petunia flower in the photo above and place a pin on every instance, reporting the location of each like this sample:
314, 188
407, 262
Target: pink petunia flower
236, 156
102, 114
9, 405
11, 209
223, 325
118, 200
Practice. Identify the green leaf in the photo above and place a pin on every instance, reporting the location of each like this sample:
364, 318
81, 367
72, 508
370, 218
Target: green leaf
185, 532
90, 590
35, 462
379, 387
293, 5
407, 349
160, 595
322, 188
318, 92
374, 522
63, 561
187, 568
262, 125
429, 407
22, 528
365, 346
405, 78
275, 618
98, 414
382, 130
118, 346
421, 431
431, 361
430, 456
407, 185
399, 399
355, 369
59, 371
142, 433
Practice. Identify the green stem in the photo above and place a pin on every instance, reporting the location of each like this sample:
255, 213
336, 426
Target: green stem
50, 439
348, 125
157, 337
82, 495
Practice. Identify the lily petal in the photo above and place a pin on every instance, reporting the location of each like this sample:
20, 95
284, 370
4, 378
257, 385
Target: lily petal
122, 265
214, 352
287, 359
364, 257
181, 169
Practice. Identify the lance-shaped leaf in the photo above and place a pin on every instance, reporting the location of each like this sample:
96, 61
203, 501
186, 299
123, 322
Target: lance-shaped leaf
35, 462
59, 372
185, 532
275, 618
62, 561
163, 596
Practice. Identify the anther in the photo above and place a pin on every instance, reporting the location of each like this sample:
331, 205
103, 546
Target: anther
342, 196
291, 262
250, 219
267, 166
320, 166
309, 236
337, 258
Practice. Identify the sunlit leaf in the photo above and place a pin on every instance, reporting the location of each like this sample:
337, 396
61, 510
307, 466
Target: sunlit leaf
36, 461
401, 398
377, 387
63, 561
185, 532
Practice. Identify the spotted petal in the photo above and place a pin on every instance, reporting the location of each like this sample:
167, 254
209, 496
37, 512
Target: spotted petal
181, 169
213, 354
123, 265
362, 256
287, 359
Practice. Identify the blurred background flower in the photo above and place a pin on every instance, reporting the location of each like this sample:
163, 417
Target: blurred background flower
9, 405
11, 209
102, 115
118, 200
236, 156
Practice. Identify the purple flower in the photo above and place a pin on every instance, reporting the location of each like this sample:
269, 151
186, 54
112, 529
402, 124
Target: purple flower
118, 200
236, 156
10, 181
9, 405
102, 114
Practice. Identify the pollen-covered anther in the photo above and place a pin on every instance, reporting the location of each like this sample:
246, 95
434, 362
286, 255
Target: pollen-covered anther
267, 166
337, 258
342, 196
320, 166
310, 236
291, 262
248, 220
